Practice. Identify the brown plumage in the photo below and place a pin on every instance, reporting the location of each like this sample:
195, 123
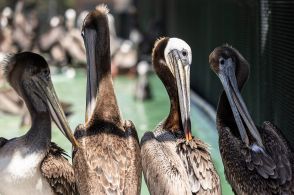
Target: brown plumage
58, 171
262, 161
108, 159
171, 164
32, 164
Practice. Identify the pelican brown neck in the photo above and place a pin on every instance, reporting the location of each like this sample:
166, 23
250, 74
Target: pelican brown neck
101, 100
173, 121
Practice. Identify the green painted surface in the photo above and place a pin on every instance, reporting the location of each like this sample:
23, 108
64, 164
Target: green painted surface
144, 115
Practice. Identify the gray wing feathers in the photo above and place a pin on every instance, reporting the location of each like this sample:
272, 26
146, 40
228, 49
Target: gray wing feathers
58, 172
202, 175
279, 151
275, 162
260, 161
276, 167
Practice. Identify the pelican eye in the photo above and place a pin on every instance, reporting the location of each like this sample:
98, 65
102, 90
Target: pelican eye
184, 53
46, 73
222, 61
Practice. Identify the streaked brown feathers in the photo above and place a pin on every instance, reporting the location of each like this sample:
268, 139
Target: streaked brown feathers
58, 171
108, 162
202, 175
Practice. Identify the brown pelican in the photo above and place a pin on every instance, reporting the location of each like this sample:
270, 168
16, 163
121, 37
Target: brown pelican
173, 162
143, 88
25, 28
257, 160
63, 43
6, 29
32, 164
108, 159
73, 42
49, 42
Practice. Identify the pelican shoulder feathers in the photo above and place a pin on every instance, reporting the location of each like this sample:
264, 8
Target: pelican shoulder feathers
57, 170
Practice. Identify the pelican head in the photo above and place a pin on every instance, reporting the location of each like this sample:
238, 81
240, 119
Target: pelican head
175, 60
232, 70
29, 74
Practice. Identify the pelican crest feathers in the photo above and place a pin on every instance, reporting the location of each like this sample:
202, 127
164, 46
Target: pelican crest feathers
103, 9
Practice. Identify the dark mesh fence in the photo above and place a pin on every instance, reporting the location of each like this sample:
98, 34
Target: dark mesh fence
263, 31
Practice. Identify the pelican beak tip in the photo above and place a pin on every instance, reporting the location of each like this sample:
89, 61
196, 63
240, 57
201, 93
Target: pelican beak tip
188, 136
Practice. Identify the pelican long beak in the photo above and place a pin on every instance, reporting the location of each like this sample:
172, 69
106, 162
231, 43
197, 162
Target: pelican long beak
181, 69
50, 98
238, 106
90, 38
